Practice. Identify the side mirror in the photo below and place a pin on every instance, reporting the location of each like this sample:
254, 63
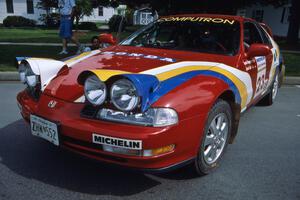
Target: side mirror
106, 38
258, 50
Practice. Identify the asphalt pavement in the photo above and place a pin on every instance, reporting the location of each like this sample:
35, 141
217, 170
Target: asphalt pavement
263, 163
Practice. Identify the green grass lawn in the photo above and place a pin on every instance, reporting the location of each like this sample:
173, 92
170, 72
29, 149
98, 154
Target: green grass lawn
45, 35
35, 35
9, 52
292, 64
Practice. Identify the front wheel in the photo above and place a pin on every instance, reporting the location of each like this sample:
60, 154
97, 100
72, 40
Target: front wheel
215, 138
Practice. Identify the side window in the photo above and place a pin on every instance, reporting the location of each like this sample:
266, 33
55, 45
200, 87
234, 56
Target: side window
265, 37
251, 34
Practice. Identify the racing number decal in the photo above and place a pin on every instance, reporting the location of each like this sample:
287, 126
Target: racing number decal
261, 81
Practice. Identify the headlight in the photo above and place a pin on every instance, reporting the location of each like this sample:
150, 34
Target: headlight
27, 75
94, 90
124, 95
156, 117
22, 69
30, 77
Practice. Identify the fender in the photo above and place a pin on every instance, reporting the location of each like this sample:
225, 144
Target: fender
47, 69
197, 96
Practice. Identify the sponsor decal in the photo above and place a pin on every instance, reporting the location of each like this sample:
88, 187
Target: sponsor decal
172, 75
262, 81
198, 19
117, 142
261, 62
78, 58
153, 57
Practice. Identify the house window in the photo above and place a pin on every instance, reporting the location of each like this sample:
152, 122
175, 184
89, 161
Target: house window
285, 15
100, 11
30, 9
9, 6
258, 15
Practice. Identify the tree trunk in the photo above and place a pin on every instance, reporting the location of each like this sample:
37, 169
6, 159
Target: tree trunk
293, 32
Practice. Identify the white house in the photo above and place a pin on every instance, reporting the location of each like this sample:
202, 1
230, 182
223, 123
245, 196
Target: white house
28, 9
25, 8
103, 14
275, 17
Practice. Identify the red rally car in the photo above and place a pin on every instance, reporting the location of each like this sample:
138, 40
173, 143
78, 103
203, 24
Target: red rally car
170, 94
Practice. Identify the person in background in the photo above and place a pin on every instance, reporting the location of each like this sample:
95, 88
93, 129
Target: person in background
95, 44
67, 10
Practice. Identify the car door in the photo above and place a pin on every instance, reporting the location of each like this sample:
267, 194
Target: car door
259, 66
273, 60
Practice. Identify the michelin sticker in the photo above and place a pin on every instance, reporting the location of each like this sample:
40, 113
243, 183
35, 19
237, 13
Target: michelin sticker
117, 142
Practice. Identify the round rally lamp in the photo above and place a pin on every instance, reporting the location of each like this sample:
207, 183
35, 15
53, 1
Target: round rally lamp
124, 95
94, 90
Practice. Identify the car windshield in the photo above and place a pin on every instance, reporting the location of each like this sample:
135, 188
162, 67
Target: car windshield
213, 35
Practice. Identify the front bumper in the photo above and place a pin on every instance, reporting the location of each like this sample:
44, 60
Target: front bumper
76, 134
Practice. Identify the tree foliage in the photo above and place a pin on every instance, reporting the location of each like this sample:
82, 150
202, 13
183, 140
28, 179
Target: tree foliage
167, 7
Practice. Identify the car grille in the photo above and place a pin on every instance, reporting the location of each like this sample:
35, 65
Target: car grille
68, 140
89, 111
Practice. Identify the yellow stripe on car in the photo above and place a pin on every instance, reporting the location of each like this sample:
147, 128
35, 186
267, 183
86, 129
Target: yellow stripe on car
105, 74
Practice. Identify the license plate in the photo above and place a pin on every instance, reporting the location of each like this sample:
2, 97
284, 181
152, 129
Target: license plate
44, 129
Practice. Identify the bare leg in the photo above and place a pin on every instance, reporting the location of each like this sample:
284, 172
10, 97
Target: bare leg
64, 42
75, 40
79, 46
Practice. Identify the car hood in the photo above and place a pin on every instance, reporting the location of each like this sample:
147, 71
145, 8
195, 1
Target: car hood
126, 58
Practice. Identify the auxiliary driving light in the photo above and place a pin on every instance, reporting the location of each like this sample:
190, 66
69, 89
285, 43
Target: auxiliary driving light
94, 90
159, 151
124, 95
144, 153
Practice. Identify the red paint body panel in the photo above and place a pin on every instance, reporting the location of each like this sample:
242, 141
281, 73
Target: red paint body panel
192, 100
188, 131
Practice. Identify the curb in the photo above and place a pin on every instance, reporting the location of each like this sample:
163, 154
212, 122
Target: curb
9, 76
291, 80
14, 76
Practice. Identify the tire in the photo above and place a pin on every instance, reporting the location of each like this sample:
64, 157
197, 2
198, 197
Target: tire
207, 160
272, 94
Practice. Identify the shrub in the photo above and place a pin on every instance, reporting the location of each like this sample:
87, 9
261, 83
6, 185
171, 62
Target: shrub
88, 26
114, 23
51, 20
18, 21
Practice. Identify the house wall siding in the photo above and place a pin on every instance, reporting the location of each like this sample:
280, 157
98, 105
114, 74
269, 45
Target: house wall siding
20, 9
107, 14
272, 17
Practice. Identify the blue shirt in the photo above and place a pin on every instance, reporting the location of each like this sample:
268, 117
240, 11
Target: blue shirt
66, 6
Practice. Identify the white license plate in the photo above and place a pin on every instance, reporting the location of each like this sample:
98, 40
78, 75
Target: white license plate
44, 129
